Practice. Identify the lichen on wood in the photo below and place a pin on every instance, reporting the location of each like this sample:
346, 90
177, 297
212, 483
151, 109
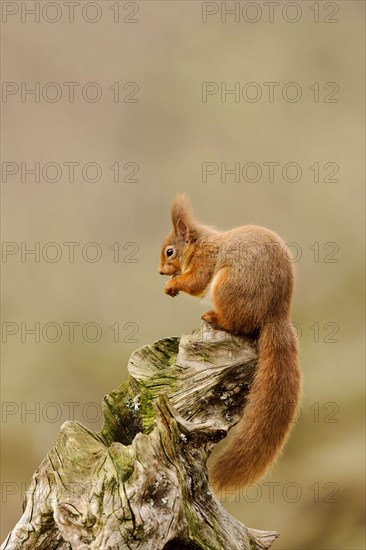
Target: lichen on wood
142, 482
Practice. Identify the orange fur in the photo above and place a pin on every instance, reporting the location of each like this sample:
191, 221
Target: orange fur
251, 278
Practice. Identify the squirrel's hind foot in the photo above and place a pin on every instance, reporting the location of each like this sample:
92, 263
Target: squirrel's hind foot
211, 317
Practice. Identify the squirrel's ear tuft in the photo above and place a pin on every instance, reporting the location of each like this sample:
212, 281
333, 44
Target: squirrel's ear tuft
181, 215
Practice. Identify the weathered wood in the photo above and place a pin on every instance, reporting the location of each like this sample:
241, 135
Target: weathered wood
141, 483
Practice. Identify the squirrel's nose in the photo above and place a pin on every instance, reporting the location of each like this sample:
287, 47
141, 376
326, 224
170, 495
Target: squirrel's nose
161, 272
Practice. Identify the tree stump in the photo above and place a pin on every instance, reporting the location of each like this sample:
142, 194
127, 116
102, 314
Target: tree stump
142, 482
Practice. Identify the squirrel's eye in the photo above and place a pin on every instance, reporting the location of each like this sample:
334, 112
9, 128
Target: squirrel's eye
169, 252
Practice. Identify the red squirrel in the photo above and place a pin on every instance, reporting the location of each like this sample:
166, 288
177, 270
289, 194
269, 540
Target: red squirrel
248, 274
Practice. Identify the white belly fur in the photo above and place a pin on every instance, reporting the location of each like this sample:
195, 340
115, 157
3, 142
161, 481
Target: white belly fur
207, 297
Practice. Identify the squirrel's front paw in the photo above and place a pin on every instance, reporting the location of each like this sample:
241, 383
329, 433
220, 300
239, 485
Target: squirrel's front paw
171, 289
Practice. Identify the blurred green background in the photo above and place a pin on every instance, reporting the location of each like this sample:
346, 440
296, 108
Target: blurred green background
314, 496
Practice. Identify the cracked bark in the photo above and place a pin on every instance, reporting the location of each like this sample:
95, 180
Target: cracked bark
142, 482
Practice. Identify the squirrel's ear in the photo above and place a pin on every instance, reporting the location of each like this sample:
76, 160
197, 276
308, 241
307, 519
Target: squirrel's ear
182, 229
181, 216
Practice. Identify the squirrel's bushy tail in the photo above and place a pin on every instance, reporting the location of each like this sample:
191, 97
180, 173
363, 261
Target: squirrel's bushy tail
269, 414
